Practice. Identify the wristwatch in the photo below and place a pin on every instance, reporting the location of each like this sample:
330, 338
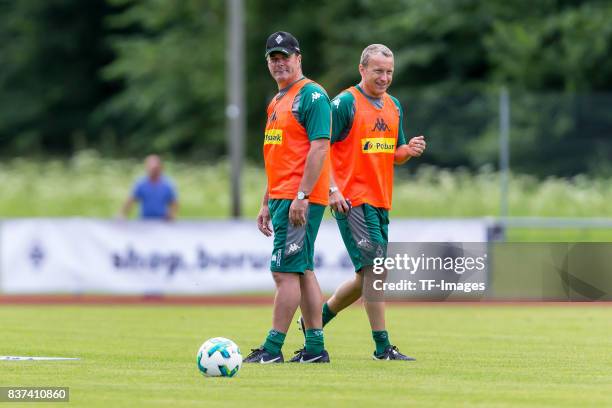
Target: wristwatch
332, 190
302, 195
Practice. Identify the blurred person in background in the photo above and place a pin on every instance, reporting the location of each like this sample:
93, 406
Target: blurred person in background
154, 192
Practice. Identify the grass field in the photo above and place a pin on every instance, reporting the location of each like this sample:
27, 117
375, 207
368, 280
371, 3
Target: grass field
484, 356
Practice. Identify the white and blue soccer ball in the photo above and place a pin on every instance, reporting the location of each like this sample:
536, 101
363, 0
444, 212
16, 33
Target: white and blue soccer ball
219, 357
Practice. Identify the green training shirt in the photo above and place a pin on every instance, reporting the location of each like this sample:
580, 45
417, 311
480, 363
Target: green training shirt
312, 109
343, 113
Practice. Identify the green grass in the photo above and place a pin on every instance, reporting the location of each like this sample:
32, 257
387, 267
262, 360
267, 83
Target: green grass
484, 356
90, 186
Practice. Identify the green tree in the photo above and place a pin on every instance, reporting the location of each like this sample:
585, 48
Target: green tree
564, 56
152, 73
170, 59
50, 54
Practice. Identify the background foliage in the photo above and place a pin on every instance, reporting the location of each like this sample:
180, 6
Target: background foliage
129, 77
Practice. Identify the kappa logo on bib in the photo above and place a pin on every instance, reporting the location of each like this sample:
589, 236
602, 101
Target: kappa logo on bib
378, 145
380, 126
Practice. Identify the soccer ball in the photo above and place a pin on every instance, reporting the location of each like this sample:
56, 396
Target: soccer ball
219, 357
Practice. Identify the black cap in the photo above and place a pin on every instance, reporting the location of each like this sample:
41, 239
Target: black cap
282, 41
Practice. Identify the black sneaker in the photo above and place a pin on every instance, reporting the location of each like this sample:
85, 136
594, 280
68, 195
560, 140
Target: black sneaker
301, 356
392, 353
261, 356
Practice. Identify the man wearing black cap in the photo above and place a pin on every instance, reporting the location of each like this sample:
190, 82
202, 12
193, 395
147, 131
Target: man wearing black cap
296, 154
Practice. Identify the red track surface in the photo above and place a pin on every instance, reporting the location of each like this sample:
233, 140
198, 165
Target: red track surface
237, 300
133, 300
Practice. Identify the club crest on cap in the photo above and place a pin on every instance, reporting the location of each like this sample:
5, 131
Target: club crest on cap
283, 42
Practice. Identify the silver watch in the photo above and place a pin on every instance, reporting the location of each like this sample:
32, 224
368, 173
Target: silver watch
332, 190
302, 195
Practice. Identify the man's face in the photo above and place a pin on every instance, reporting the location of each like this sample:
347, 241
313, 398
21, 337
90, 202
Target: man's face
284, 68
377, 75
153, 167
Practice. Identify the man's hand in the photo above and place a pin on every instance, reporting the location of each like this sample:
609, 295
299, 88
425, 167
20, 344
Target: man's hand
415, 147
263, 221
172, 211
338, 203
297, 212
126, 208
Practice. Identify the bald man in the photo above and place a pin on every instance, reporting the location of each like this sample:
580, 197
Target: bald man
155, 193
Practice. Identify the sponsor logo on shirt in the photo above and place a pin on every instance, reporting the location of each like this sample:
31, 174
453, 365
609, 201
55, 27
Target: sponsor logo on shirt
273, 136
378, 145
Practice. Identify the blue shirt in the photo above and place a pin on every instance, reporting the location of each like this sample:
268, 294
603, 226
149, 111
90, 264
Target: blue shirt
154, 197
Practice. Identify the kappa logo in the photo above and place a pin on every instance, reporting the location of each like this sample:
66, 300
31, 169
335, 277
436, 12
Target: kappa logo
293, 248
272, 117
315, 96
380, 126
336, 102
364, 244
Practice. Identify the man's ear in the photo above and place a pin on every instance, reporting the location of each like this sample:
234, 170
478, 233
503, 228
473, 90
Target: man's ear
362, 69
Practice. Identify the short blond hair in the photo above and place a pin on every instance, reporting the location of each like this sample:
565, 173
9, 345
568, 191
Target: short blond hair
373, 49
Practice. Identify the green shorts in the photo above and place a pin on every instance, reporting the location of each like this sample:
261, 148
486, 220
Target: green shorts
293, 246
365, 232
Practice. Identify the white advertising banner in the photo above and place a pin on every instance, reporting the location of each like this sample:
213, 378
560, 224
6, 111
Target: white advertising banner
188, 257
